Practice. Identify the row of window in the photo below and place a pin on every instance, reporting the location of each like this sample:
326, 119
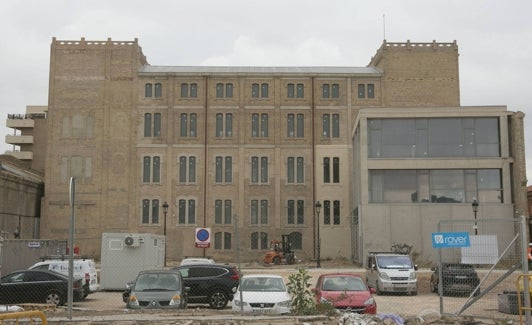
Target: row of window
225, 90
295, 169
295, 124
258, 240
435, 186
223, 212
433, 137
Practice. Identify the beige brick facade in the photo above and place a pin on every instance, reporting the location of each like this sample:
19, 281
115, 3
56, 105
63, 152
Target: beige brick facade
97, 116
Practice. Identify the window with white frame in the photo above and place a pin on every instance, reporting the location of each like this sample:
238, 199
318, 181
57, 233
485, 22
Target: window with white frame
151, 169
333, 170
150, 212
222, 240
186, 212
224, 125
295, 170
259, 240
188, 124
259, 125
187, 169
223, 211
152, 125
259, 170
223, 169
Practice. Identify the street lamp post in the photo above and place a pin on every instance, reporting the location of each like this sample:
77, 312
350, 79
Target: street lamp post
165, 211
474, 205
318, 208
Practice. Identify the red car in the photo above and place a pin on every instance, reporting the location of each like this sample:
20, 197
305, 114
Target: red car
345, 291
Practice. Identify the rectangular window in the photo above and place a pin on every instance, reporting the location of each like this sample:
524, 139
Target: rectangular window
435, 186
254, 212
254, 169
228, 169
255, 125
194, 90
219, 90
326, 170
187, 212
371, 91
218, 212
157, 124
219, 125
290, 170
259, 214
229, 90
228, 125
433, 137
182, 169
191, 212
182, 210
184, 90
336, 125
300, 170
264, 125
327, 212
183, 124
255, 91
222, 239
228, 212
147, 125
335, 93
264, 90
150, 212
361, 91
193, 125
336, 212
300, 91
290, 90
259, 240
336, 170
263, 170
192, 169
146, 170
263, 212
326, 91
326, 122
290, 212
300, 212
218, 169
148, 90
290, 124
300, 125
158, 90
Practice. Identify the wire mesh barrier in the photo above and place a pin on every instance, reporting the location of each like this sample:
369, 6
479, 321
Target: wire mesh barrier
476, 273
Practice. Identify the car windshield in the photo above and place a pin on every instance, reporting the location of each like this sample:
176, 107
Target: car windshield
263, 284
154, 281
394, 262
343, 283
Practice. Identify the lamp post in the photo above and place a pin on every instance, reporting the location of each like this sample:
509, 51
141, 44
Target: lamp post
318, 208
165, 211
474, 205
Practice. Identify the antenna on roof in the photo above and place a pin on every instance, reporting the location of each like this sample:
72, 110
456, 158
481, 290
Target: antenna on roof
383, 26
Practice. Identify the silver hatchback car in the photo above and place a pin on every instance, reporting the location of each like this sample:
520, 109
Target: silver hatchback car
158, 289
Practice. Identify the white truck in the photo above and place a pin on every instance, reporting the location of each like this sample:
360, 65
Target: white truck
391, 272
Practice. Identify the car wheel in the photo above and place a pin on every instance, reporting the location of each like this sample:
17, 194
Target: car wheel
413, 293
218, 299
55, 298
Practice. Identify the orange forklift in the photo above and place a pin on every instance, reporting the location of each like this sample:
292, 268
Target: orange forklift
280, 252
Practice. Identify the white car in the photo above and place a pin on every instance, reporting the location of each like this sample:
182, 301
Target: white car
197, 260
262, 294
84, 268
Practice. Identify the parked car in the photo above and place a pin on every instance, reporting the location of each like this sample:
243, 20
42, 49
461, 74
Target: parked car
391, 272
84, 268
197, 260
210, 283
457, 278
159, 289
263, 294
345, 291
38, 286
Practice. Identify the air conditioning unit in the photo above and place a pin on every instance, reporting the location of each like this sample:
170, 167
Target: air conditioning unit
132, 241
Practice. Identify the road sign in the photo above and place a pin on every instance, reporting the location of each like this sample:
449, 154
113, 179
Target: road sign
450, 239
203, 237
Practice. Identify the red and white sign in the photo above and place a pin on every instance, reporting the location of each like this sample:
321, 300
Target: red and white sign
203, 237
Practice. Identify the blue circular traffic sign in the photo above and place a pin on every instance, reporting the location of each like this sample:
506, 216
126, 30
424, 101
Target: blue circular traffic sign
202, 235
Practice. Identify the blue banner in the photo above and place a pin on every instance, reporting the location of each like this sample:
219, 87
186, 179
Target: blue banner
450, 239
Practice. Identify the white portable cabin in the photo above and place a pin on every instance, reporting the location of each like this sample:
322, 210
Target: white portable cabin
124, 255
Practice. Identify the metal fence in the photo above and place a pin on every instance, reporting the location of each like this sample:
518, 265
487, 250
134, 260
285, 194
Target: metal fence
478, 278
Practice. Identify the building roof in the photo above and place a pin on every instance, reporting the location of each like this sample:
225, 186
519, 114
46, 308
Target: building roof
15, 167
254, 70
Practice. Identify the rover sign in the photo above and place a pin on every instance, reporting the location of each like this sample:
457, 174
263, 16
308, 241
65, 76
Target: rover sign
450, 239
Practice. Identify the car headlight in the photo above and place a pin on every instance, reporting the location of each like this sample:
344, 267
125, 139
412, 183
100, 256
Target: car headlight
369, 302
176, 300
133, 301
286, 303
384, 276
412, 276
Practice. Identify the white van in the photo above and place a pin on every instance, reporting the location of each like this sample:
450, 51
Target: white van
84, 268
391, 272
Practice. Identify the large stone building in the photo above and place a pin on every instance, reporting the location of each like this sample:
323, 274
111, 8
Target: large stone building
248, 151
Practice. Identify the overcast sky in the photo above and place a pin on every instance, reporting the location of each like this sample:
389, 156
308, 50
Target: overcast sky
494, 39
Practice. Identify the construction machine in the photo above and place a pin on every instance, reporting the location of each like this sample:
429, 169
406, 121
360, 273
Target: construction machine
280, 252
